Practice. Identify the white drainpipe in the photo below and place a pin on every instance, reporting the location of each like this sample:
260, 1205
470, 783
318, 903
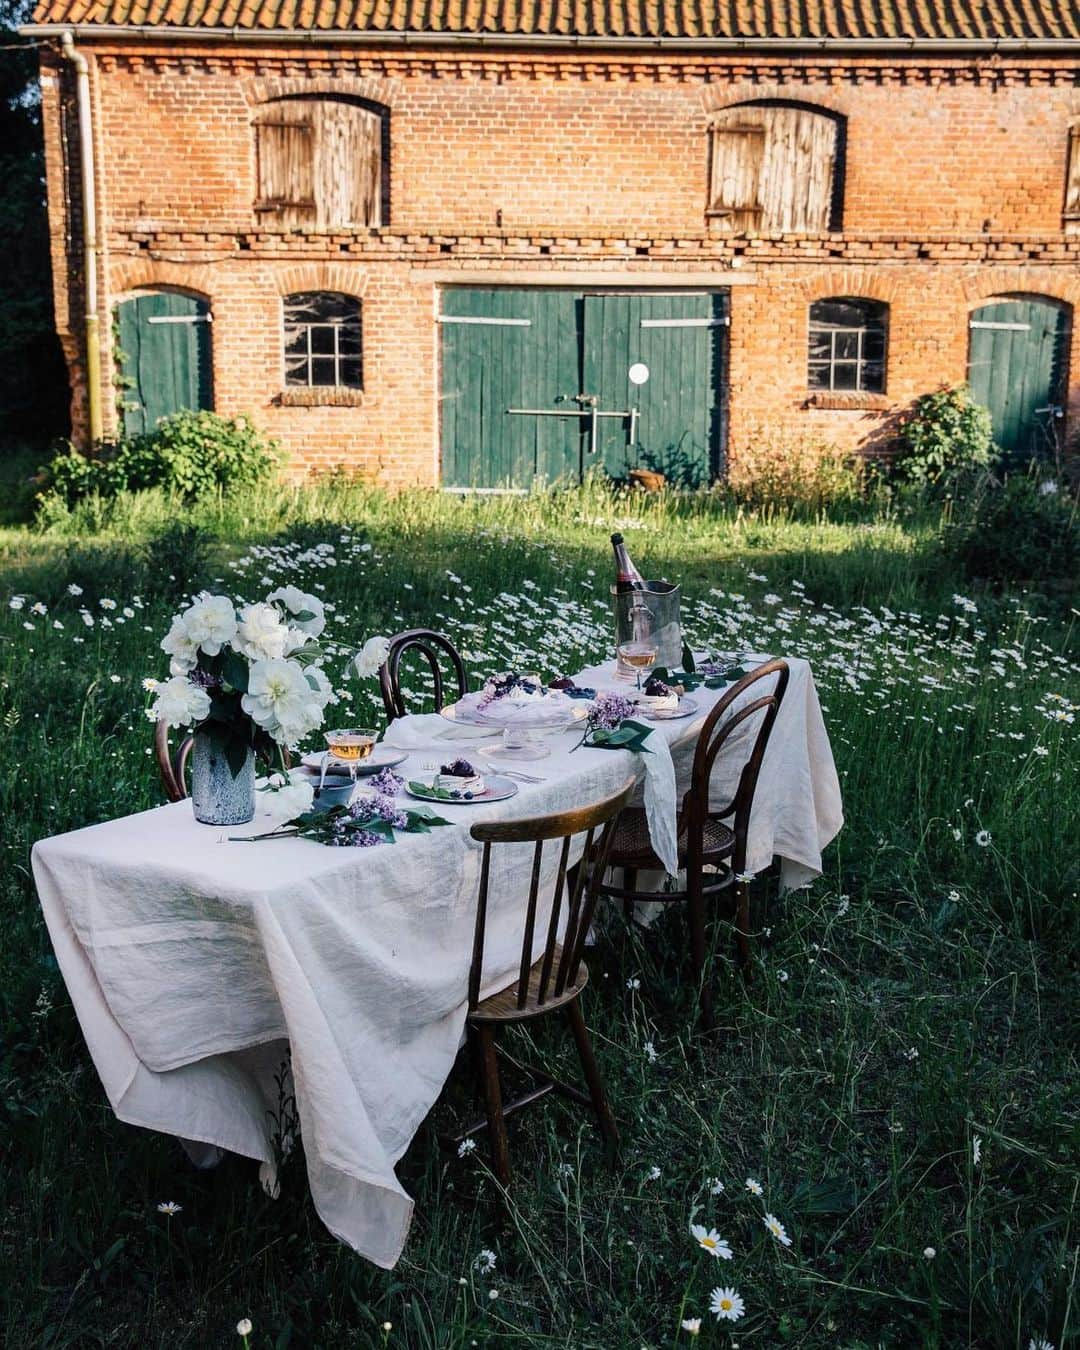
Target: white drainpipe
90, 236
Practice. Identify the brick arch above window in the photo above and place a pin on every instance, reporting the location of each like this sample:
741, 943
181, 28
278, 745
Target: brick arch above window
1046, 283
368, 90
144, 274
776, 167
863, 282
344, 278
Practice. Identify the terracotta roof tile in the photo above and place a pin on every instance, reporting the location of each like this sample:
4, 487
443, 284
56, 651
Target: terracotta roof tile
718, 19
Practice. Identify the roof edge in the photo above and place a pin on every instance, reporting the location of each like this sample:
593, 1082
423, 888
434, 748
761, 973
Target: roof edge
412, 38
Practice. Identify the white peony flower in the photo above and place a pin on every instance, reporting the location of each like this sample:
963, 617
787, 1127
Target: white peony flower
281, 700
179, 646
179, 703
296, 602
286, 799
211, 623
371, 656
261, 634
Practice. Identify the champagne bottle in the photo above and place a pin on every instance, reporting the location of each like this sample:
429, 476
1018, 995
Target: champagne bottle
627, 577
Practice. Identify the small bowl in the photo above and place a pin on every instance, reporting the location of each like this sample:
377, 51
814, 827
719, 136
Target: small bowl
334, 793
351, 744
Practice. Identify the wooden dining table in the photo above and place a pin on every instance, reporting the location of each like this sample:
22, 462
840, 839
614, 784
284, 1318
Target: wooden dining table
202, 967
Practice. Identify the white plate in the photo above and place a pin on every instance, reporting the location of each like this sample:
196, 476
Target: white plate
382, 757
496, 789
687, 708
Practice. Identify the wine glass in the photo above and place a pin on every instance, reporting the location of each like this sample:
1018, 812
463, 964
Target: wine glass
640, 655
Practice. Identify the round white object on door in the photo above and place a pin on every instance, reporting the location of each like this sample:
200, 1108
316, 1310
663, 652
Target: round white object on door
638, 373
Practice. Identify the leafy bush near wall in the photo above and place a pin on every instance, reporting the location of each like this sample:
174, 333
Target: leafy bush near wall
947, 437
189, 453
771, 471
1022, 530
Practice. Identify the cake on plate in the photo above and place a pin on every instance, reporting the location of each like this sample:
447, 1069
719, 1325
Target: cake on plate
459, 778
658, 697
511, 688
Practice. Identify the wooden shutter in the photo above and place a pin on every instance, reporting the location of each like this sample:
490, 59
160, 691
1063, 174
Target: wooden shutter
773, 168
1072, 182
348, 165
285, 155
738, 152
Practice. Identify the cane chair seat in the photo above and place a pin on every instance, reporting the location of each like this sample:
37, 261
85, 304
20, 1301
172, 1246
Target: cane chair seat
632, 846
503, 1006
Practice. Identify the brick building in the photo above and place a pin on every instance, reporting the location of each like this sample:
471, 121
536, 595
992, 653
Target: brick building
469, 243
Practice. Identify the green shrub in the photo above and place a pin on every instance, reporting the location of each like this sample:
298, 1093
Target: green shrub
189, 453
787, 473
947, 437
1021, 531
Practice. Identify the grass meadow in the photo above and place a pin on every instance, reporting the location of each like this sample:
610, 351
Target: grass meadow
899, 1078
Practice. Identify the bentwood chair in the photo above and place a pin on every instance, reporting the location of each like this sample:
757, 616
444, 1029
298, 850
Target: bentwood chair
553, 982
172, 764
434, 648
705, 840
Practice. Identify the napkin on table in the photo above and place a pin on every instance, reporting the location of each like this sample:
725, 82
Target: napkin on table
420, 729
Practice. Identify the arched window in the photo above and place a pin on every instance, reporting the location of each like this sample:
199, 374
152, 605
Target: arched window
320, 163
847, 345
775, 168
323, 341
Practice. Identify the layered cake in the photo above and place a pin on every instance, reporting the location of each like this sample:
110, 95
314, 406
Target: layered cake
512, 689
658, 697
459, 778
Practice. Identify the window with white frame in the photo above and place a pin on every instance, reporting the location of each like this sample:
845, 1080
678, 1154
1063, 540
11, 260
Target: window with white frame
323, 341
847, 346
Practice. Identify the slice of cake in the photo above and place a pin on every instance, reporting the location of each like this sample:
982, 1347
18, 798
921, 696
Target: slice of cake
460, 779
658, 697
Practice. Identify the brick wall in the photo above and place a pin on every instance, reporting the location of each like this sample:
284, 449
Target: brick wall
508, 165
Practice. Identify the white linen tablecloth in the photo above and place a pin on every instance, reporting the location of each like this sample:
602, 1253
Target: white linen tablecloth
192, 961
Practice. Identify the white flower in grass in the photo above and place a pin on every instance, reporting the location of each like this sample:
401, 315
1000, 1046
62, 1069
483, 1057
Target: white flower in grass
305, 612
692, 1326
726, 1304
976, 1151
485, 1261
466, 1147
1040, 1343
493, 1294
929, 1253
210, 623
983, 838
371, 656
243, 1327
39, 608
179, 703
754, 1187
169, 1207
74, 589
650, 1052
17, 602
709, 1240
715, 1185
286, 799
150, 685
177, 644
653, 1173
261, 635
777, 1229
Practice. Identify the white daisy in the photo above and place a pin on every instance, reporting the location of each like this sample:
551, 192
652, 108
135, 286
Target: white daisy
777, 1229
692, 1326
711, 1241
169, 1207
754, 1187
726, 1304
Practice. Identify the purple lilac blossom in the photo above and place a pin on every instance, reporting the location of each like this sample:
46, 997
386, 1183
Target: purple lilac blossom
609, 710
386, 782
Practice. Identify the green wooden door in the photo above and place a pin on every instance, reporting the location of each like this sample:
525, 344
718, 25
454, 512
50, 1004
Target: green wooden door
508, 357
524, 371
1016, 368
658, 357
164, 357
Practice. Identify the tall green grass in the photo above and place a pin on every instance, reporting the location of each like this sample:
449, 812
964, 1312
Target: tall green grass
920, 995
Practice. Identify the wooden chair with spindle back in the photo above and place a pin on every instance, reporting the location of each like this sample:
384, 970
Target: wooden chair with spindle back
705, 840
552, 983
172, 764
431, 646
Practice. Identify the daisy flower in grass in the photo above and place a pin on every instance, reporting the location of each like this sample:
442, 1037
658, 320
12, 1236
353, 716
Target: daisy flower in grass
726, 1304
983, 838
692, 1326
169, 1207
711, 1241
777, 1229
1040, 1343
754, 1187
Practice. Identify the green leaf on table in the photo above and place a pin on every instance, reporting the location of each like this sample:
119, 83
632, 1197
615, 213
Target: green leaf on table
420, 821
430, 790
629, 735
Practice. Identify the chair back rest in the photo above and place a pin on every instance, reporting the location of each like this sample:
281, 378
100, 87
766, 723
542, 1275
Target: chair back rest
581, 899
730, 712
432, 646
172, 764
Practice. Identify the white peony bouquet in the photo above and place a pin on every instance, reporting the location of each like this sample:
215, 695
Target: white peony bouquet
250, 678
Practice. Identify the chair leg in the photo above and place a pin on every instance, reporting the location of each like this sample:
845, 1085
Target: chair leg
696, 917
489, 1068
629, 881
591, 1070
742, 928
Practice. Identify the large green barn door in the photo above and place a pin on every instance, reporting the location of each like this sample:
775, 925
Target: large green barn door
164, 357
658, 357
509, 359
1016, 368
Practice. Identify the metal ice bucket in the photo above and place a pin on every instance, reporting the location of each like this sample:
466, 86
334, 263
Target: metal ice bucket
651, 613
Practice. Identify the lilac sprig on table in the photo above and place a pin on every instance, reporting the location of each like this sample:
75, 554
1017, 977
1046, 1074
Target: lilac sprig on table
386, 782
365, 823
610, 725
